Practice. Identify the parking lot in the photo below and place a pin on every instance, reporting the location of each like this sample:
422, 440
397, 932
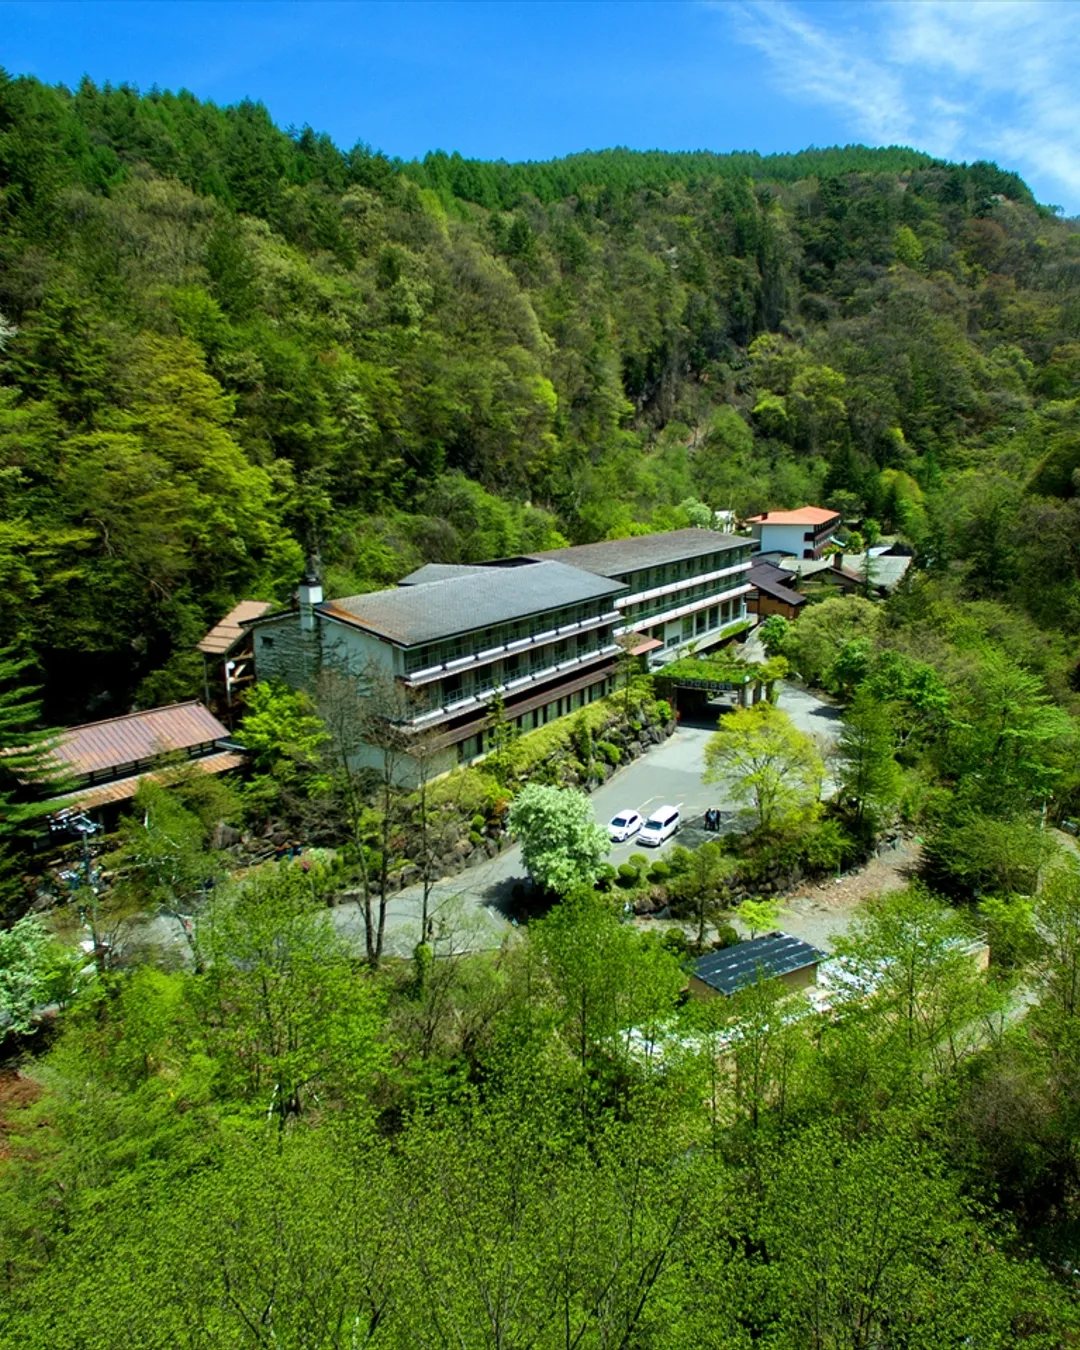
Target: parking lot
668, 774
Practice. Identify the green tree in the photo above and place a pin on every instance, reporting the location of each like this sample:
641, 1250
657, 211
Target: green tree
561, 844
773, 633
609, 980
927, 998
768, 766
817, 639
760, 916
29, 772
286, 737
283, 1014
869, 774
890, 1238
499, 738
700, 887
163, 859
35, 970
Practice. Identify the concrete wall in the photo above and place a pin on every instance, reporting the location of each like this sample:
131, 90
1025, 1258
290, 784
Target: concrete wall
786, 539
285, 651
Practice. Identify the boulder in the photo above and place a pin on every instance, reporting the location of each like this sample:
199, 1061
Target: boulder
224, 836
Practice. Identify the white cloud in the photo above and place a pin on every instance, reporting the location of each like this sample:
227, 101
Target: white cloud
967, 79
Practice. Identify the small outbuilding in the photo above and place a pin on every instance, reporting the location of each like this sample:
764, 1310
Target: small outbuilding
773, 592
104, 763
777, 956
227, 653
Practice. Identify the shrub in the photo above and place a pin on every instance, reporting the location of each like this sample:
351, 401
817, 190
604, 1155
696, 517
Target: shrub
605, 877
676, 942
726, 936
545, 743
609, 752
639, 861
659, 871
663, 710
628, 876
475, 838
478, 822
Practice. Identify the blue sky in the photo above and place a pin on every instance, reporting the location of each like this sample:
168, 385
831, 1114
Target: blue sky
967, 79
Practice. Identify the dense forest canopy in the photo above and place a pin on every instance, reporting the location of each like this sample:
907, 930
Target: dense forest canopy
223, 346
234, 343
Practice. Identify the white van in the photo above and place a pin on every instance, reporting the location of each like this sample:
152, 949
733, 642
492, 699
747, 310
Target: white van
661, 825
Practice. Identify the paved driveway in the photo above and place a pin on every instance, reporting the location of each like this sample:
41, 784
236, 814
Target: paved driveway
670, 772
482, 897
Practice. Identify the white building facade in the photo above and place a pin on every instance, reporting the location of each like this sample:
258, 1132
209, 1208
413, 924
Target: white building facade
804, 533
683, 588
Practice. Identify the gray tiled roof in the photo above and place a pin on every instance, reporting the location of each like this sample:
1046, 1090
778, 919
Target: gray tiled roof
778, 954
613, 557
411, 615
770, 579
439, 572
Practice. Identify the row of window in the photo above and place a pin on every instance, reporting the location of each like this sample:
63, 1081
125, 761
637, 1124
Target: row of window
635, 615
471, 684
705, 621
136, 766
500, 635
650, 577
476, 745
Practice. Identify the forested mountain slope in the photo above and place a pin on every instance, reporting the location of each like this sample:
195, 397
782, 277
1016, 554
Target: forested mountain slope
234, 343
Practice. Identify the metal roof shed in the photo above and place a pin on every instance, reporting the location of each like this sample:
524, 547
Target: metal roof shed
227, 632
777, 956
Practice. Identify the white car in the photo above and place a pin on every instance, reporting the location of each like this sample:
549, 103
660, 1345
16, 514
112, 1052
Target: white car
624, 826
661, 825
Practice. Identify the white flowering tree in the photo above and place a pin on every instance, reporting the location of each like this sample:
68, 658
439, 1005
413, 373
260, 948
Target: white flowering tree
561, 843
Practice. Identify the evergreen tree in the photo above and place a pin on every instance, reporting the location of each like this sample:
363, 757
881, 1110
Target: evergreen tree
28, 773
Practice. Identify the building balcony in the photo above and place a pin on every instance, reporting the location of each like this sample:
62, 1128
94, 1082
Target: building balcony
666, 616
521, 683
703, 641
674, 587
416, 679
452, 732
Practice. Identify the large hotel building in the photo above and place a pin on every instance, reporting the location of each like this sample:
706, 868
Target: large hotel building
543, 630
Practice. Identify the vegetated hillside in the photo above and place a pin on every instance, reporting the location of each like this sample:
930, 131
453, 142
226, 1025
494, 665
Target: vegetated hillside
235, 343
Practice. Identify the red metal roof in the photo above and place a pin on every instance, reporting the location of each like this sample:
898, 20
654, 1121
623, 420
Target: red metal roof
805, 515
228, 631
136, 736
121, 789
647, 644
